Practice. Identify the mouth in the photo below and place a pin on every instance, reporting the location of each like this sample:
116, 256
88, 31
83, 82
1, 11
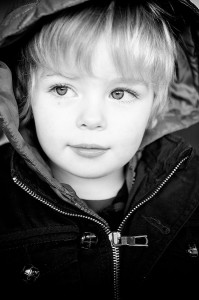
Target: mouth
89, 146
89, 150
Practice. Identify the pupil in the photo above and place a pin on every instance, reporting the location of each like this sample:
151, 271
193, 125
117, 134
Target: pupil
61, 90
118, 94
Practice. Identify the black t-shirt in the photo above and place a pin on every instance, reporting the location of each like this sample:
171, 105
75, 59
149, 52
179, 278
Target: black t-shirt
114, 213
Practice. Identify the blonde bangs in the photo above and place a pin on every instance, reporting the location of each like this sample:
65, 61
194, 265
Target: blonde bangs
148, 53
140, 42
70, 39
140, 45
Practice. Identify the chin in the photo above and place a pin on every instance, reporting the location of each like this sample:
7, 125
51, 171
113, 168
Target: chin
90, 174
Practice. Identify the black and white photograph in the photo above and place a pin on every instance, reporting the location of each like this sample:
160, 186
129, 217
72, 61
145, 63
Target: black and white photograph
99, 149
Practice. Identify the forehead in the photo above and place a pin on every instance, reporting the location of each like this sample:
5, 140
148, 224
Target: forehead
100, 64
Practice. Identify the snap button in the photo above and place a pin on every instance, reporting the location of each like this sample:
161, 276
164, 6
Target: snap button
192, 250
88, 240
30, 273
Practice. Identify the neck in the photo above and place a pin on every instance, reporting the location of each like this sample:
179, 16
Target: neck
94, 188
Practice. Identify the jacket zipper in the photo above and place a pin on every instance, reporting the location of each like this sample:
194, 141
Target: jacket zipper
115, 238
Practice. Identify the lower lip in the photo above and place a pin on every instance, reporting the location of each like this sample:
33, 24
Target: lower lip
89, 152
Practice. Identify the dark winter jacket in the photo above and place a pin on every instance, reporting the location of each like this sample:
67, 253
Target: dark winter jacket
52, 244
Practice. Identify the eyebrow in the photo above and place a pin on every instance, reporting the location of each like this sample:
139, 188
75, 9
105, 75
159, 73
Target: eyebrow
68, 76
130, 81
117, 80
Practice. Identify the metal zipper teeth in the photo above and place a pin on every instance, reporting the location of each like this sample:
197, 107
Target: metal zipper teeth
160, 186
116, 250
41, 199
107, 230
116, 265
116, 272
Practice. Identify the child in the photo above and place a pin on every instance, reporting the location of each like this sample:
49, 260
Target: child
95, 204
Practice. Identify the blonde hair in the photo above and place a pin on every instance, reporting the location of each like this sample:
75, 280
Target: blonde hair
140, 40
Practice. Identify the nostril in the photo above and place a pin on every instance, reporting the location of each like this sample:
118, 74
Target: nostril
92, 119
91, 125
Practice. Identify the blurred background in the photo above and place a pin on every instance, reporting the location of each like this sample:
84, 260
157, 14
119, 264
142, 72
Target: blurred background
191, 134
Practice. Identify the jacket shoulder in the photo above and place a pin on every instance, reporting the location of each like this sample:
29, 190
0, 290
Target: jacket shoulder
5, 156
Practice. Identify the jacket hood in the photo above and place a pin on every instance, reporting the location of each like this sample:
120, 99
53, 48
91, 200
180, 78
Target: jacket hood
20, 21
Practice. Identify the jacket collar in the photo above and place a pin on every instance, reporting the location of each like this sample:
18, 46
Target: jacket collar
185, 90
158, 161
147, 168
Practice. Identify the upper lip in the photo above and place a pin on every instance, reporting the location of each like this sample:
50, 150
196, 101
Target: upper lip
89, 146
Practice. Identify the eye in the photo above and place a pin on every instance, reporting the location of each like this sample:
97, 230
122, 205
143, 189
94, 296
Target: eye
117, 94
63, 90
125, 95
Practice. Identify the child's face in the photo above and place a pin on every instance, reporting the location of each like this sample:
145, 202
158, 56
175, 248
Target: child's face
90, 126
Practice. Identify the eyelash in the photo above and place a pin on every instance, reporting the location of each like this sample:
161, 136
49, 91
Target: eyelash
61, 85
126, 90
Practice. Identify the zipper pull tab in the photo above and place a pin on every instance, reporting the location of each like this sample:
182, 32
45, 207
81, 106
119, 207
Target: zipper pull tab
136, 240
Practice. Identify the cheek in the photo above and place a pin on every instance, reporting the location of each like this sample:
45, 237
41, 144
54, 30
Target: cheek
53, 130
130, 141
128, 136
49, 120
46, 127
131, 128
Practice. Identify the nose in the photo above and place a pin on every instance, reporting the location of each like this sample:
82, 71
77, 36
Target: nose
92, 115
